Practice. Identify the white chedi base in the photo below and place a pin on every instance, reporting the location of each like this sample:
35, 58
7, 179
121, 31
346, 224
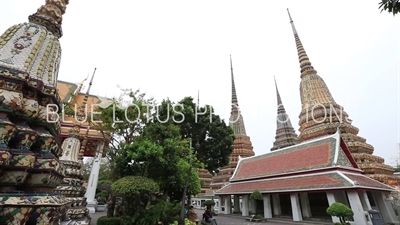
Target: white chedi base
92, 205
101, 208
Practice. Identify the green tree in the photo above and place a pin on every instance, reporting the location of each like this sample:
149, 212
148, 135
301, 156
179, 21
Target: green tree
138, 193
256, 196
340, 210
121, 124
204, 127
391, 6
212, 138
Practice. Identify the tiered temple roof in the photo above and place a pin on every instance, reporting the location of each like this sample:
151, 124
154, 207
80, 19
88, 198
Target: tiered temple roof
321, 115
71, 96
285, 134
317, 165
242, 146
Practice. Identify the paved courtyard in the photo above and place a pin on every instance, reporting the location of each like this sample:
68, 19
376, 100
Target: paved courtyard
230, 220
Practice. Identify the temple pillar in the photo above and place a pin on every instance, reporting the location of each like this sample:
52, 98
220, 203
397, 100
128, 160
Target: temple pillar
236, 204
93, 179
342, 197
364, 200
220, 204
296, 209
385, 208
276, 205
252, 207
332, 199
228, 204
356, 205
267, 206
245, 206
305, 205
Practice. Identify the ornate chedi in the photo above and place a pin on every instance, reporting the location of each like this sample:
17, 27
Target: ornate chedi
285, 134
73, 149
242, 146
321, 115
206, 179
30, 170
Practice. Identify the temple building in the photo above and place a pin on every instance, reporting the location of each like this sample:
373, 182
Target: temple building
302, 181
242, 145
321, 115
285, 134
328, 163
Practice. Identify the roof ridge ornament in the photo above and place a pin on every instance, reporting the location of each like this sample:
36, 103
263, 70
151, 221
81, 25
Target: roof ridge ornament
49, 15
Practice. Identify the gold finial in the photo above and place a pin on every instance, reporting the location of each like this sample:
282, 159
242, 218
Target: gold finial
49, 15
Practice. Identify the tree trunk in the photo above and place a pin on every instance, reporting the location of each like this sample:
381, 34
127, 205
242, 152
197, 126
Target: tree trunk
182, 214
111, 206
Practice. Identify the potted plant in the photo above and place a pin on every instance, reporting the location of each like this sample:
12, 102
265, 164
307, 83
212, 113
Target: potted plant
101, 205
256, 196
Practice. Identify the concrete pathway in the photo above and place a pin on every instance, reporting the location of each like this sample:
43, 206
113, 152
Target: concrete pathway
96, 215
232, 220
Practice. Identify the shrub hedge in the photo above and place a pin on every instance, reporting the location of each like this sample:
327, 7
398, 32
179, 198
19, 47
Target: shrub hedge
104, 220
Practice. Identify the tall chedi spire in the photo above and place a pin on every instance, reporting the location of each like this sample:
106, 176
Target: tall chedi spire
242, 145
285, 134
321, 115
30, 56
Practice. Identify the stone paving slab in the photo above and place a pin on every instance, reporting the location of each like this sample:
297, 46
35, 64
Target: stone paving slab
96, 215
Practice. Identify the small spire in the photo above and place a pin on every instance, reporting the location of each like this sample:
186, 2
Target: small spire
278, 96
82, 111
91, 82
285, 134
281, 108
305, 64
236, 119
49, 15
234, 97
86, 97
198, 98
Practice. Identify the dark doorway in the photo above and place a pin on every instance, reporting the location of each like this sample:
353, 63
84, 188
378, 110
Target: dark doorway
319, 204
286, 205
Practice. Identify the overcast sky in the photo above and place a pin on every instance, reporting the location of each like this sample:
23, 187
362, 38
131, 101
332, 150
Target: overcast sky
174, 48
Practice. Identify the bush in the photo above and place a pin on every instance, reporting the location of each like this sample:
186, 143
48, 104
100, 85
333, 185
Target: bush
258, 217
256, 195
340, 210
209, 203
187, 222
104, 220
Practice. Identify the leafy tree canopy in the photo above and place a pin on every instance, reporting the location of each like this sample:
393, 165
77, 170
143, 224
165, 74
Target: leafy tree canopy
391, 6
134, 185
210, 135
339, 210
256, 195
